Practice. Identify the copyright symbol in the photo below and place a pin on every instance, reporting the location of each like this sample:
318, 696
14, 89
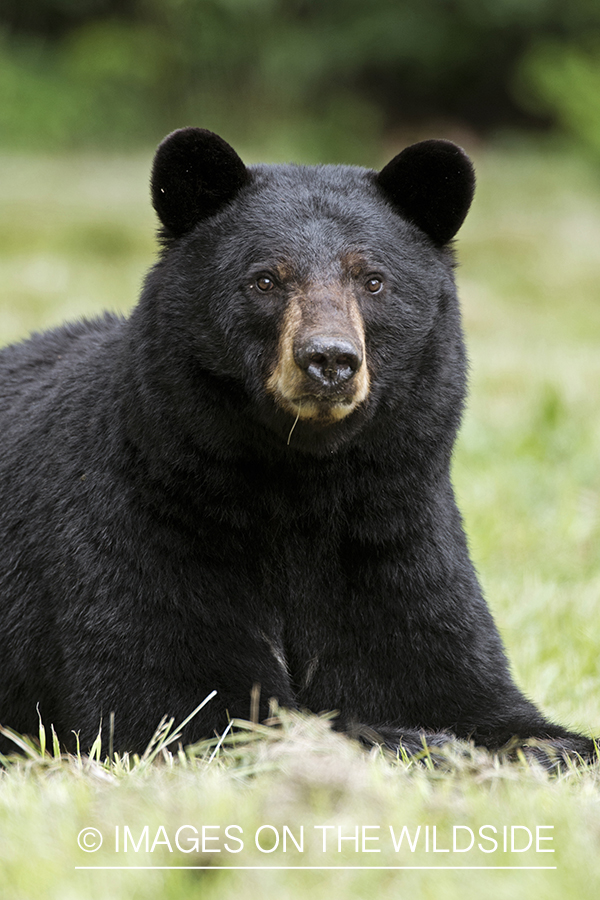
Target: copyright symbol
89, 839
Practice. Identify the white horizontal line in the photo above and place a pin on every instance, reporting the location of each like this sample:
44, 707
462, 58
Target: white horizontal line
321, 868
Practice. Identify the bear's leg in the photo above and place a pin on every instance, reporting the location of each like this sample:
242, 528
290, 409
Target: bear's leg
125, 697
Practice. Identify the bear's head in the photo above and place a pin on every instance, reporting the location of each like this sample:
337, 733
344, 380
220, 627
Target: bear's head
318, 297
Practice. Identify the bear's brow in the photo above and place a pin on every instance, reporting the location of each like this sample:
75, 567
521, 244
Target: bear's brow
354, 262
285, 270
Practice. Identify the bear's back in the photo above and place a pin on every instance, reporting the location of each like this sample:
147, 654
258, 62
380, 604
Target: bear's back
28, 369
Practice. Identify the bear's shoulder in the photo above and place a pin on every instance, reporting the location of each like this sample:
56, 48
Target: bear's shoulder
42, 350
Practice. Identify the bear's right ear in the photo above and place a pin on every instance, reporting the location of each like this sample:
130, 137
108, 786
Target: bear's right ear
195, 172
432, 184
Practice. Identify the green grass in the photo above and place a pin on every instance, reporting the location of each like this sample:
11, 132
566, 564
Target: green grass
526, 468
76, 236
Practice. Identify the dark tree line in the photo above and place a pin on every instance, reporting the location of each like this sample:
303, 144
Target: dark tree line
145, 65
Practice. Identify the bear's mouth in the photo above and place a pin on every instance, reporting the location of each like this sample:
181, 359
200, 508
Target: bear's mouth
320, 400
318, 407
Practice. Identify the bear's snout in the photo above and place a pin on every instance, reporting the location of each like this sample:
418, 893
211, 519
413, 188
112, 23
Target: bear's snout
328, 360
321, 368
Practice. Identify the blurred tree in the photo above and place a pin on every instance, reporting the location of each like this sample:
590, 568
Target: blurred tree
324, 77
54, 17
562, 81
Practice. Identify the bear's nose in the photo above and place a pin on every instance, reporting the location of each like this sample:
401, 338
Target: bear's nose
329, 360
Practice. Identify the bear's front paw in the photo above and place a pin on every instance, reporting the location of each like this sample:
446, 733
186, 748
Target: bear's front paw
556, 753
406, 742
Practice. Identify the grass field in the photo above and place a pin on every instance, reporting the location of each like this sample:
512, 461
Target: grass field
76, 236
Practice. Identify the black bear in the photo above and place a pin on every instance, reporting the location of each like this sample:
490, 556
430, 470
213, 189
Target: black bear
246, 482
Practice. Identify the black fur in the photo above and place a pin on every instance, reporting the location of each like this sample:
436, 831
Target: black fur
195, 172
432, 184
164, 529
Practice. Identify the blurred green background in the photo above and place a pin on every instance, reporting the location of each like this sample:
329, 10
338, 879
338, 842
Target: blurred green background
311, 79
87, 90
89, 87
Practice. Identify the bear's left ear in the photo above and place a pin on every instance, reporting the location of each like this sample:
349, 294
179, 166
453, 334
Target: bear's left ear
432, 184
195, 172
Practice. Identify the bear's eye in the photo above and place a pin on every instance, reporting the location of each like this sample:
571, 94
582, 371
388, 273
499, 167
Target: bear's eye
265, 283
374, 284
